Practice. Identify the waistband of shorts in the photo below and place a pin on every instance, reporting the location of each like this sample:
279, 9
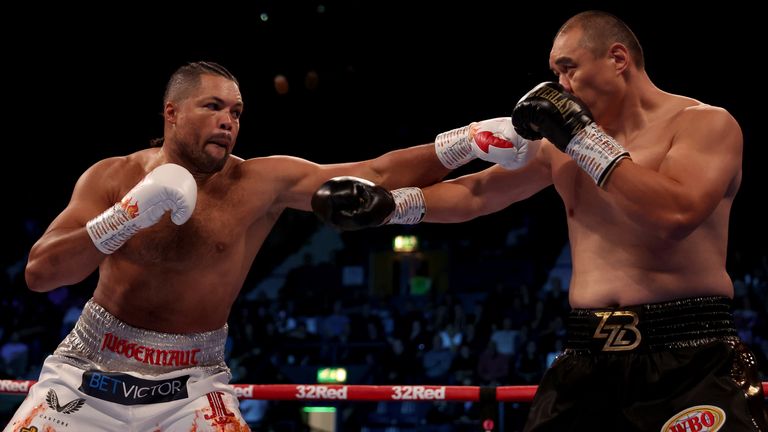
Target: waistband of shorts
688, 322
110, 344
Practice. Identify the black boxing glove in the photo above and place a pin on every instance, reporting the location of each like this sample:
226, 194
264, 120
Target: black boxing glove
351, 203
550, 112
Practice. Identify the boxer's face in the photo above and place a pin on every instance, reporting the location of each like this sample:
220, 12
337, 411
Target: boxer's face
580, 71
206, 124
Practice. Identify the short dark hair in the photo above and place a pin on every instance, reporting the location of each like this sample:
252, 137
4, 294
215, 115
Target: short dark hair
186, 79
601, 29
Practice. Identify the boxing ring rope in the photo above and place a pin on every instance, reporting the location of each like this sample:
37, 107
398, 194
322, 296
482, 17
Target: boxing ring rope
337, 392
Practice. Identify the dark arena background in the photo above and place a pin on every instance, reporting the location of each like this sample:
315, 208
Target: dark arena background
345, 81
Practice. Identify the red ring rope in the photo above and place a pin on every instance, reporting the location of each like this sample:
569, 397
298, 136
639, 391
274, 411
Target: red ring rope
323, 392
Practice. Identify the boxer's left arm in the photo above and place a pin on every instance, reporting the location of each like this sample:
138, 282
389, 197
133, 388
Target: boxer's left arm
493, 140
701, 170
298, 179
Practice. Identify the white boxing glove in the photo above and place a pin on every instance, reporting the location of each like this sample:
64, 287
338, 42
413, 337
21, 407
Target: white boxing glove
493, 140
169, 187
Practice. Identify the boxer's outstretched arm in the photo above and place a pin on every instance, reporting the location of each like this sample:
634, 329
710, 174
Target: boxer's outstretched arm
493, 140
484, 192
297, 179
350, 203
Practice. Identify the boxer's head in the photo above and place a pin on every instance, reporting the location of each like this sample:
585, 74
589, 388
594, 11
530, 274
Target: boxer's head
202, 112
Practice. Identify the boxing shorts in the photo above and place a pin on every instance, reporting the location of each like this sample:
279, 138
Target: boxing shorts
109, 376
676, 366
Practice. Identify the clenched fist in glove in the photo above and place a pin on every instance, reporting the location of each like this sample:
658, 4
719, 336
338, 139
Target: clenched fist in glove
549, 111
493, 140
169, 187
351, 203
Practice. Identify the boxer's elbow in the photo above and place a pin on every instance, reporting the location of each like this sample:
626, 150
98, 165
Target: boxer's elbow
670, 218
35, 276
40, 275
677, 225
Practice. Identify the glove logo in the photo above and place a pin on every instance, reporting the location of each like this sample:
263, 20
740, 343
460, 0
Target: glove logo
553, 96
132, 210
486, 139
615, 333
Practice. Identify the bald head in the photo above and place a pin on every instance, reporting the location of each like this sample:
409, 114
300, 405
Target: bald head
600, 30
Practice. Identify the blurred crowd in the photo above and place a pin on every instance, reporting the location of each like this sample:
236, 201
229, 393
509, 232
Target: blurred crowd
496, 331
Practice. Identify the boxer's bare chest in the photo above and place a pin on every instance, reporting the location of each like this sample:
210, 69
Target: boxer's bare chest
217, 229
647, 148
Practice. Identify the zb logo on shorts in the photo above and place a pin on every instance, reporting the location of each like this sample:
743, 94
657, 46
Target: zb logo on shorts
617, 332
129, 390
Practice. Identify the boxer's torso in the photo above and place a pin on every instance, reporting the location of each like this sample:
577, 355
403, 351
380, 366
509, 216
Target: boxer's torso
618, 262
181, 279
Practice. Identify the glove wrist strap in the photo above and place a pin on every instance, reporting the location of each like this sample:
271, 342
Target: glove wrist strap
410, 206
596, 152
111, 229
454, 148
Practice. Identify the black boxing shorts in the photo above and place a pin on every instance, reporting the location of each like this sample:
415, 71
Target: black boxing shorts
676, 366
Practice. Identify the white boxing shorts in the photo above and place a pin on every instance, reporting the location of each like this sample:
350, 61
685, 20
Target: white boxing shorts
109, 376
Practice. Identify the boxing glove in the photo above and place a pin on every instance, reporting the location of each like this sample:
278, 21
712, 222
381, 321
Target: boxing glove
549, 111
493, 140
168, 187
351, 203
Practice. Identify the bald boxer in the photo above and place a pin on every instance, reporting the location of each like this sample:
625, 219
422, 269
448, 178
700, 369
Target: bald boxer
173, 231
647, 179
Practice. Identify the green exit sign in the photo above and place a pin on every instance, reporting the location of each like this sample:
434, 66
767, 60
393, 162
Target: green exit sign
331, 375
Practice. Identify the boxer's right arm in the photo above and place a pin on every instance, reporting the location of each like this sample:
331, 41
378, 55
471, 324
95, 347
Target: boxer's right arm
551, 112
66, 253
169, 187
485, 192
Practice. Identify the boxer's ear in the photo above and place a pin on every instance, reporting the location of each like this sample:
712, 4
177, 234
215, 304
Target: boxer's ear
619, 55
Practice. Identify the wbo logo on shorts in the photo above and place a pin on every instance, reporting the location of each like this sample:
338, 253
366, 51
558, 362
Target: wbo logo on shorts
699, 418
128, 390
